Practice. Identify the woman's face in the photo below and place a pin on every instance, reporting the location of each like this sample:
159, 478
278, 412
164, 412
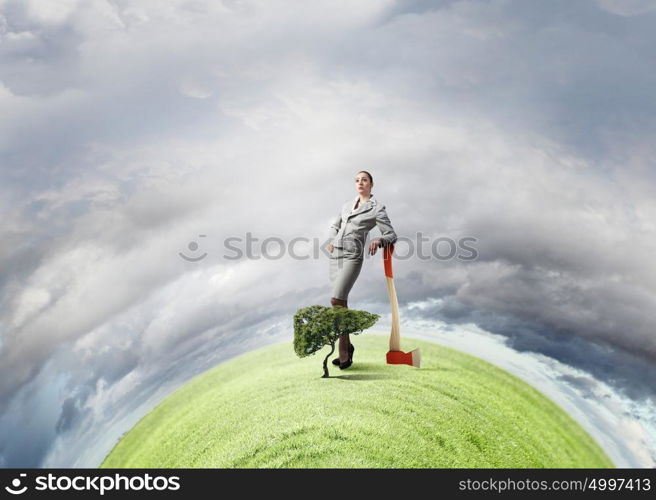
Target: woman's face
362, 184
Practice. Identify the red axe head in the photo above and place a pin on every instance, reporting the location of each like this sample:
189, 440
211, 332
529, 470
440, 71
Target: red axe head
412, 358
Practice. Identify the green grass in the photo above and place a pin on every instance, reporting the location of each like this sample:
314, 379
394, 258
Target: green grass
269, 408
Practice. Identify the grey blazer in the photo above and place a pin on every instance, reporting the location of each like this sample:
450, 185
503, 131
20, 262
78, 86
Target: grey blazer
350, 228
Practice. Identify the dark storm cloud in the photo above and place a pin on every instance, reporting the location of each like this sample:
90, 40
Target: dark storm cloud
632, 375
566, 78
67, 416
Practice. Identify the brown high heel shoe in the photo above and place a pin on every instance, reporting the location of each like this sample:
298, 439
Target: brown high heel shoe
337, 362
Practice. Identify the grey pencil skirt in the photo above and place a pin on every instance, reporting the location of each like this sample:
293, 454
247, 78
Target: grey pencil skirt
344, 270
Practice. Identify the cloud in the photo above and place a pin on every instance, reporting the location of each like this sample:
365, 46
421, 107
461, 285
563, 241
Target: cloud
129, 129
627, 7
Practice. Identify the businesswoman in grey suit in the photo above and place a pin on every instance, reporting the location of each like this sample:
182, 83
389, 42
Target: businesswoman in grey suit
348, 232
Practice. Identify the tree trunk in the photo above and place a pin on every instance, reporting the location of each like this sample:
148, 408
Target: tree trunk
325, 360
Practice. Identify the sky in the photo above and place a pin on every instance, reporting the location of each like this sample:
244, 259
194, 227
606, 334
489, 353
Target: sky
154, 155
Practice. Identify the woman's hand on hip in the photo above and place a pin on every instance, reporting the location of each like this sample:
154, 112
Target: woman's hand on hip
330, 247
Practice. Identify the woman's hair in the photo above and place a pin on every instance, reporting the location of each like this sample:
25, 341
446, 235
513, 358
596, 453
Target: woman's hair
371, 179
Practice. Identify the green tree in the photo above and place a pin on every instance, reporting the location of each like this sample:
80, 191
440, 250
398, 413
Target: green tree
316, 326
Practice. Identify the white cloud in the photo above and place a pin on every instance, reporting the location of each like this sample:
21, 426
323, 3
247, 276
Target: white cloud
627, 7
46, 12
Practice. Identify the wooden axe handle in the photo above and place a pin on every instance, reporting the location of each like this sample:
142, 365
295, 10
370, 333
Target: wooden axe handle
395, 335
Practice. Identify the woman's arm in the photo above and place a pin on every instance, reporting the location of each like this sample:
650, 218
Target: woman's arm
387, 234
335, 224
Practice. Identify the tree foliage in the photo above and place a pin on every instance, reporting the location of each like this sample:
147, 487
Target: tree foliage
317, 326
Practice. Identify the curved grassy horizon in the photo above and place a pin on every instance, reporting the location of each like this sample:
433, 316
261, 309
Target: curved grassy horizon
268, 408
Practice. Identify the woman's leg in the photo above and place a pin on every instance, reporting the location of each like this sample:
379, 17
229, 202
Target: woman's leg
344, 340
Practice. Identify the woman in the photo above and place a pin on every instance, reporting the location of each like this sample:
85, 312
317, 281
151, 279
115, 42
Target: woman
348, 233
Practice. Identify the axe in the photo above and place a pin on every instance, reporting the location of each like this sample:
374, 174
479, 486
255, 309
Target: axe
395, 355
